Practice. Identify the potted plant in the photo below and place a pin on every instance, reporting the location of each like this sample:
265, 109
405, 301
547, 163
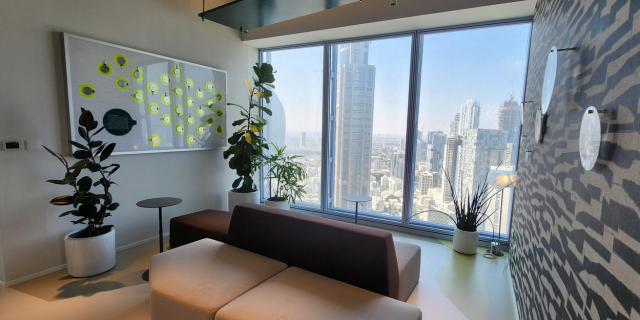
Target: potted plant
470, 212
246, 144
288, 175
92, 250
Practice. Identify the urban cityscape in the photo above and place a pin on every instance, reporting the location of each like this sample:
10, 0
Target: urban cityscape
367, 163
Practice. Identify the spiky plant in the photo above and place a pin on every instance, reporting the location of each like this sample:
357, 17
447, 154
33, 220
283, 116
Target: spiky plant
470, 209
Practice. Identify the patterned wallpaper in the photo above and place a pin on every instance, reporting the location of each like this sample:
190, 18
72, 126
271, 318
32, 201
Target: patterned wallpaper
576, 233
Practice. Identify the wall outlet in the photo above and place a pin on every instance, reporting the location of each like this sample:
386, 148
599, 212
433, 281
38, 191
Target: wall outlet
33, 145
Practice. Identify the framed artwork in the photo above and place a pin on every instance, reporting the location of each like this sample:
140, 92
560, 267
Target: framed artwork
146, 102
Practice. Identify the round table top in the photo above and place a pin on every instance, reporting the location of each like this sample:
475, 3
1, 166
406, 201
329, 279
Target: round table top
357, 198
159, 202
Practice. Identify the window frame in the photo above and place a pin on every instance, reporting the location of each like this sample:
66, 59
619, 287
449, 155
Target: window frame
405, 224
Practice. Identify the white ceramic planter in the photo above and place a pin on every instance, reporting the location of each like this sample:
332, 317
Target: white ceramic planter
90, 256
278, 204
236, 198
465, 242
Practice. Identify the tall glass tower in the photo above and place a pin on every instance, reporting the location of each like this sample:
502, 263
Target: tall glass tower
355, 84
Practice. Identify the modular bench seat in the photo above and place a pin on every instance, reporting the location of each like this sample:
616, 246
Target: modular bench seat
371, 272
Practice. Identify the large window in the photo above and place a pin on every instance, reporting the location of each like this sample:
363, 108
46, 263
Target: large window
297, 112
392, 116
470, 92
369, 101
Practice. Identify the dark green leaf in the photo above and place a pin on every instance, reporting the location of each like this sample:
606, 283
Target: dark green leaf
63, 182
114, 170
62, 200
113, 206
83, 133
236, 183
78, 145
238, 122
80, 164
67, 213
107, 151
95, 144
265, 110
94, 167
95, 133
82, 154
84, 184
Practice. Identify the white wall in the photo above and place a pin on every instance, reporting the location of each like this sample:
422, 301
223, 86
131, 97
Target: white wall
32, 106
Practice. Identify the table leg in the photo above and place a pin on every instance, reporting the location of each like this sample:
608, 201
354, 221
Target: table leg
160, 234
356, 212
145, 275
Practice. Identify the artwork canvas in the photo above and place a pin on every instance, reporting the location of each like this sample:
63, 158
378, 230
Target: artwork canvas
147, 102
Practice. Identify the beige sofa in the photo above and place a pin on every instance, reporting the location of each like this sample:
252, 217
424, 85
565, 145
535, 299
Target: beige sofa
280, 264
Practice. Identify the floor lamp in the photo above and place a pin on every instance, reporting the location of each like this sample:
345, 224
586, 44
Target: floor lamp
500, 180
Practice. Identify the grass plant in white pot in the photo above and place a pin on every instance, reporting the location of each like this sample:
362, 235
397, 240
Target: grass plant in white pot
91, 250
284, 176
469, 212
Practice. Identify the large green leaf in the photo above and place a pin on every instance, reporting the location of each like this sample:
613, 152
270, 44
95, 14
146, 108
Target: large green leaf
62, 200
107, 151
82, 154
78, 145
265, 110
83, 133
84, 184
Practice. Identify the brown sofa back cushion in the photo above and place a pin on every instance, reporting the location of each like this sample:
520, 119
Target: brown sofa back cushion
360, 256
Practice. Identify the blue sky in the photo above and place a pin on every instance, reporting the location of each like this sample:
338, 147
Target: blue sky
486, 64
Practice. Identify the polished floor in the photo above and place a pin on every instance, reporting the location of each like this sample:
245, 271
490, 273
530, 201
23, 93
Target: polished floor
452, 286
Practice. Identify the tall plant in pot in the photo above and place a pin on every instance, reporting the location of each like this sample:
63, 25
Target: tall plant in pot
91, 250
284, 176
470, 211
246, 144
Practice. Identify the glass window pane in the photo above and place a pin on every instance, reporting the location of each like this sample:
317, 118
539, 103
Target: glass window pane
297, 112
369, 98
471, 87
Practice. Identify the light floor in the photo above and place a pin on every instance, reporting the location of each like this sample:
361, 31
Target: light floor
452, 286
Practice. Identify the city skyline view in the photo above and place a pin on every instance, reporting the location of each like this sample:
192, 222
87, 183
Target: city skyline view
468, 117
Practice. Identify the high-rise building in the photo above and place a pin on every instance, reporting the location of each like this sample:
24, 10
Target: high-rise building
509, 120
355, 85
452, 163
454, 127
397, 165
469, 116
428, 181
434, 158
303, 139
479, 145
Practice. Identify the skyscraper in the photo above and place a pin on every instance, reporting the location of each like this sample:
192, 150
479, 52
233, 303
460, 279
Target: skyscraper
355, 84
476, 159
509, 117
469, 116
452, 163
454, 127
397, 165
303, 139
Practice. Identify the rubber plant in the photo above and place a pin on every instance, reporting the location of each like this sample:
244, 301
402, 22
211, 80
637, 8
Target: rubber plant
247, 144
288, 174
90, 208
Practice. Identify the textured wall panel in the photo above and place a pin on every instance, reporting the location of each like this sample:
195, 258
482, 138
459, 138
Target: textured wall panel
576, 233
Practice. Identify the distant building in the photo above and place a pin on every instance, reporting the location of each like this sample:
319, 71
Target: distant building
454, 127
397, 165
303, 139
469, 116
479, 145
509, 120
452, 163
355, 85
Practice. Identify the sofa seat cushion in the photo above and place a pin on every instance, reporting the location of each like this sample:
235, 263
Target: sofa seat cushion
408, 255
211, 224
196, 280
296, 294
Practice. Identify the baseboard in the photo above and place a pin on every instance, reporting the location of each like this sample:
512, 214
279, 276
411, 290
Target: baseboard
60, 267
33, 276
137, 243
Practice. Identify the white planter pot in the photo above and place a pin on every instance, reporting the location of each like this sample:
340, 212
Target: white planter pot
90, 256
465, 242
278, 204
236, 198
